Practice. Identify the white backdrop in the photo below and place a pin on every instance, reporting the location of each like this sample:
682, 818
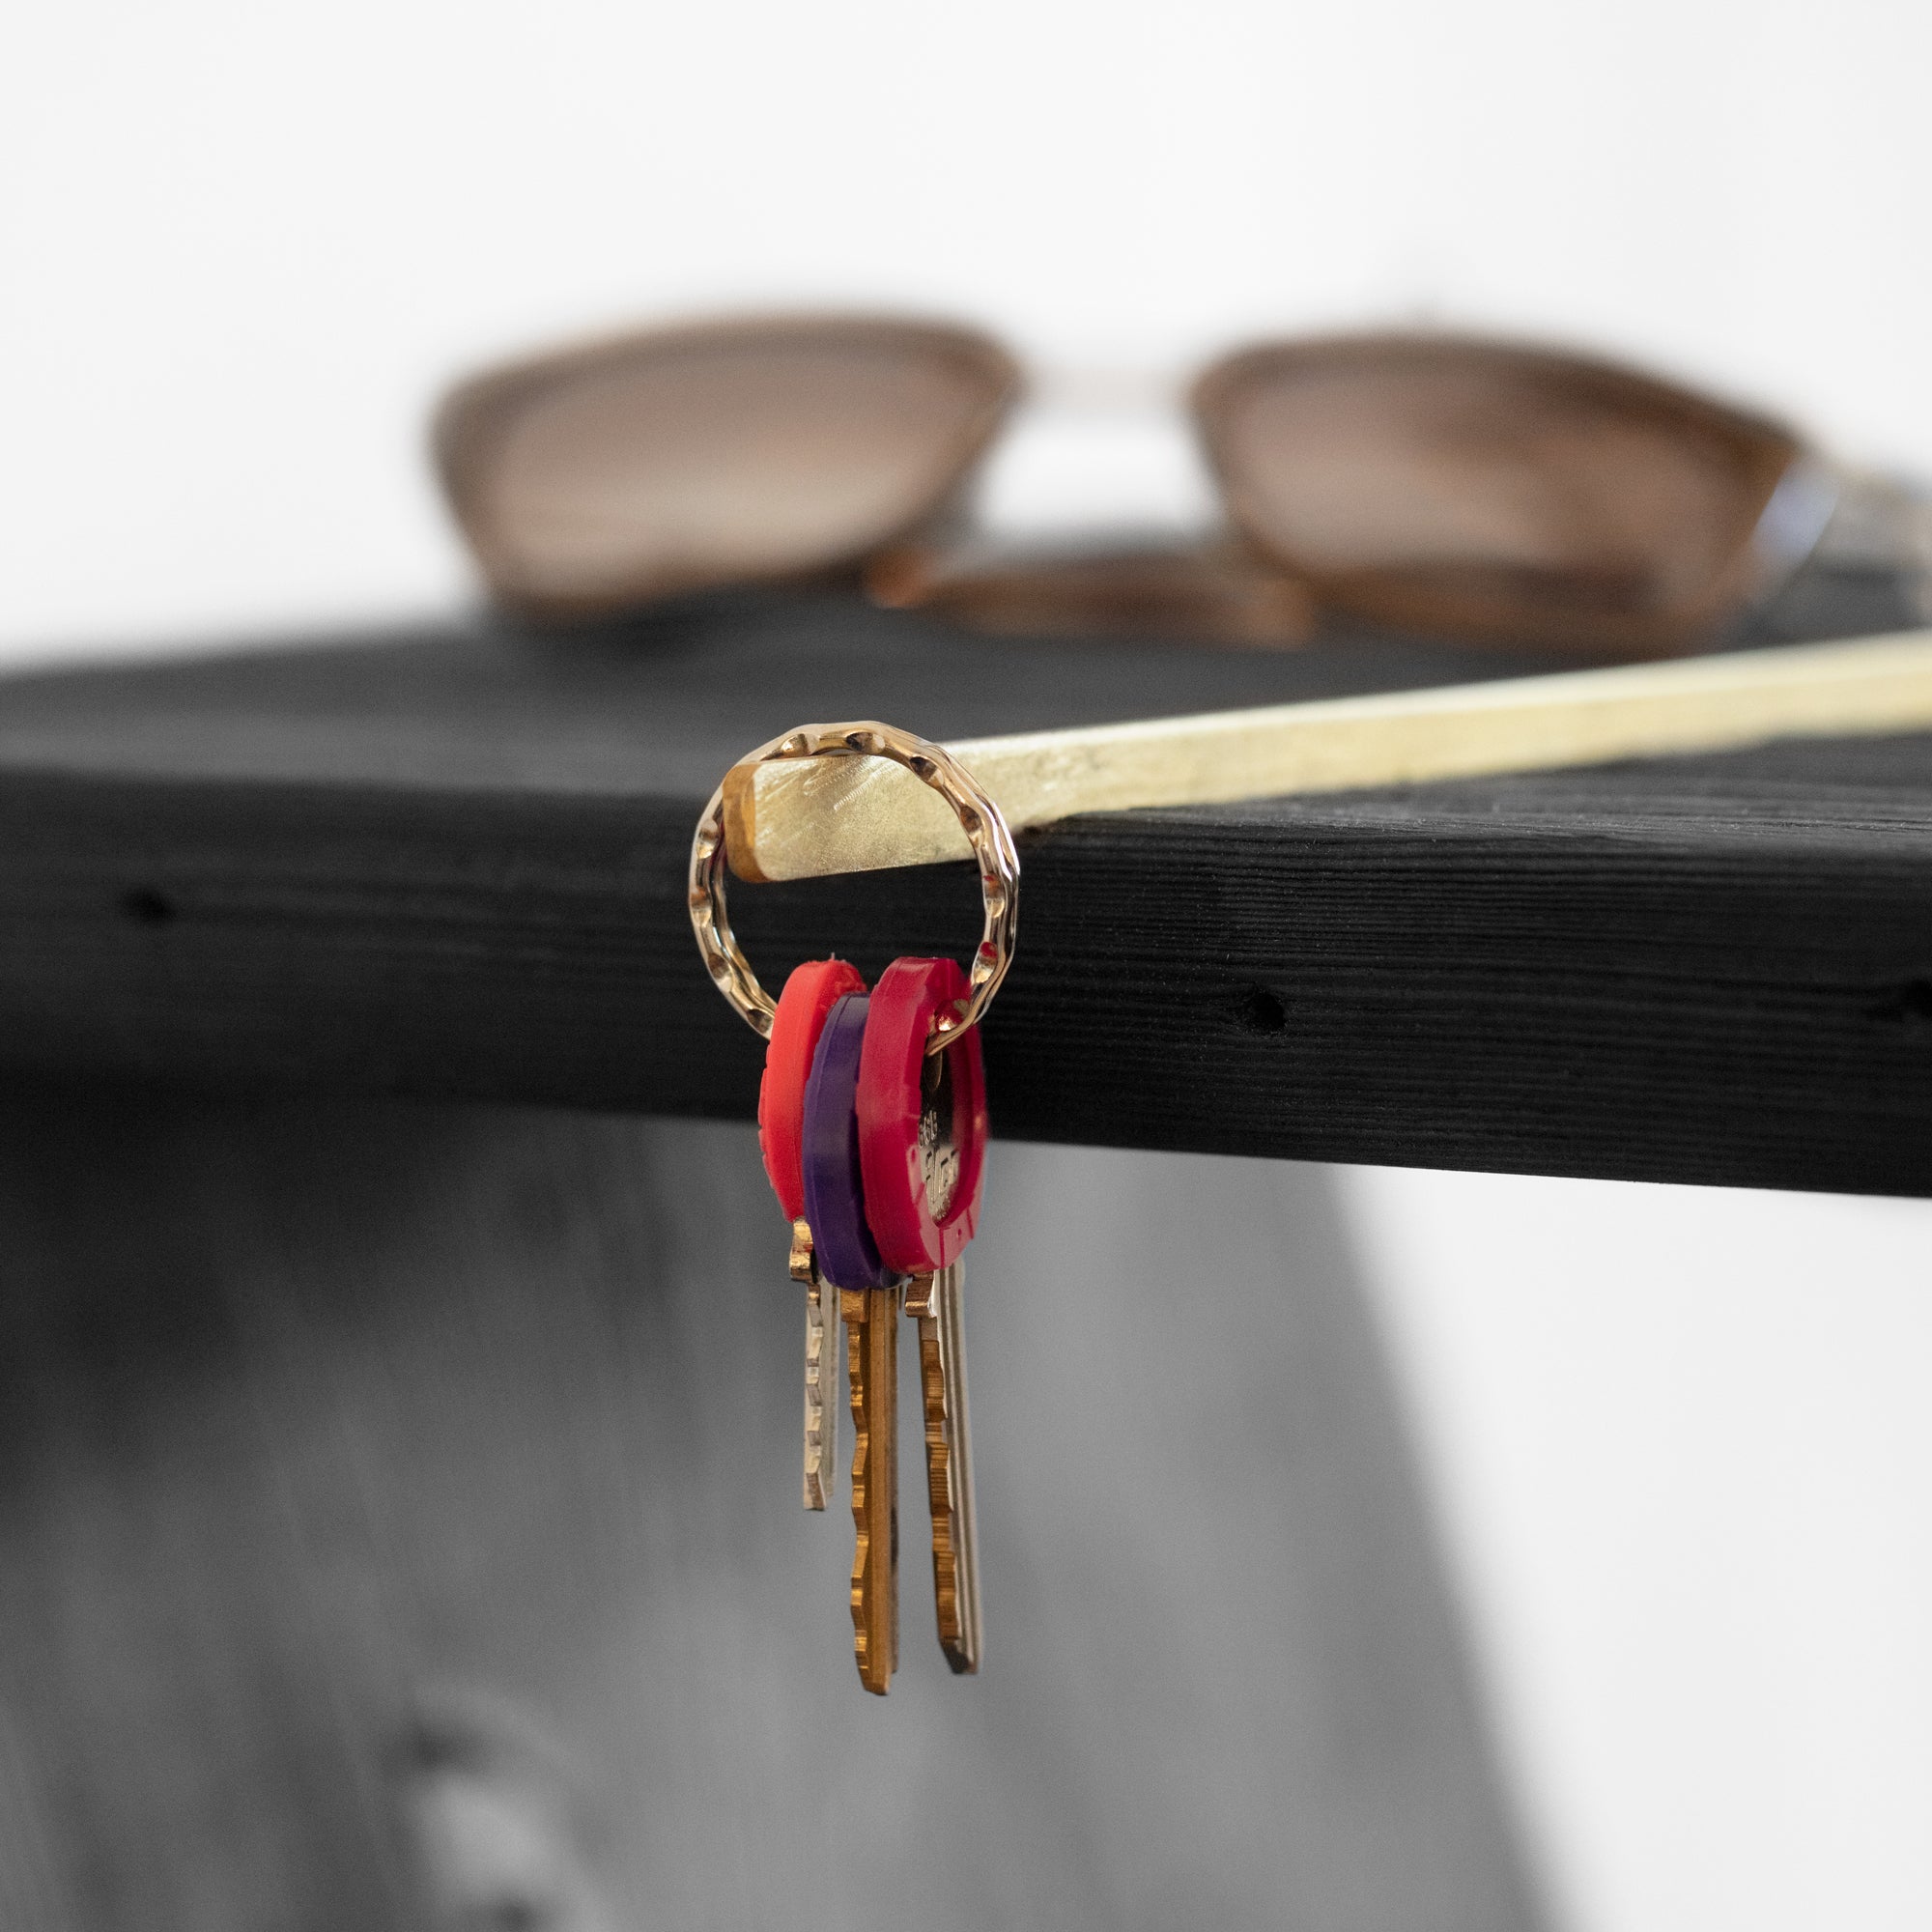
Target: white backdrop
1678, 1434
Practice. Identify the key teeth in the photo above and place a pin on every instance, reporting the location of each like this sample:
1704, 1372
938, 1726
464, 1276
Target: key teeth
821, 1359
862, 1446
939, 1478
948, 1469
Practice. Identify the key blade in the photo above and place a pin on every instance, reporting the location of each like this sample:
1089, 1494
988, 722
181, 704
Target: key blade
935, 1301
952, 1338
872, 1351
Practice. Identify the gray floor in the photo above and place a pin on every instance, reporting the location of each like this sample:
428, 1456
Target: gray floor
454, 1564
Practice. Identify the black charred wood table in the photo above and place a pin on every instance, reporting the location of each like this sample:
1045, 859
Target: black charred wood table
448, 863
398, 1445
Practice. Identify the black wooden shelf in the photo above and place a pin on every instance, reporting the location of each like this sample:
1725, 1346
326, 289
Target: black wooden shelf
450, 863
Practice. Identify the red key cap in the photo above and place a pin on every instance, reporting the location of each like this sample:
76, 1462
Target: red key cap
808, 998
922, 1119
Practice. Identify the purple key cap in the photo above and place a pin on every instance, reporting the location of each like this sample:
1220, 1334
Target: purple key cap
834, 1200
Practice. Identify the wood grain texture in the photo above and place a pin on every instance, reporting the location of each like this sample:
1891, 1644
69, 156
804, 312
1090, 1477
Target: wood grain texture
451, 867
399, 1528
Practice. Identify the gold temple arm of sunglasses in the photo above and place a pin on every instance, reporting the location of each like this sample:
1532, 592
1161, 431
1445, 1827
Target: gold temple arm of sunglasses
810, 818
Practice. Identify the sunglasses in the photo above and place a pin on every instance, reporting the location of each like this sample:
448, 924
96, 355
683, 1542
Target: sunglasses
1476, 489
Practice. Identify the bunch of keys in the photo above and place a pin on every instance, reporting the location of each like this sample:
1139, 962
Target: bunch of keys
873, 1123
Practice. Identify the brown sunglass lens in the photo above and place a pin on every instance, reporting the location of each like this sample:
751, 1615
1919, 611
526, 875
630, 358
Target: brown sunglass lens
1497, 492
714, 457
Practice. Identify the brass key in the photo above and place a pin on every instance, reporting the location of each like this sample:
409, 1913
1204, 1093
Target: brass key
934, 1300
872, 1318
821, 1371
872, 1126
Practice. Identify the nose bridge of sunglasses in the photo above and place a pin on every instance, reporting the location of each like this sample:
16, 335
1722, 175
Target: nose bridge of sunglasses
1104, 389
1093, 455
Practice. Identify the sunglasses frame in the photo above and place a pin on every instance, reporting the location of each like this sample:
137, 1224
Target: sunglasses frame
470, 425
1764, 451
928, 558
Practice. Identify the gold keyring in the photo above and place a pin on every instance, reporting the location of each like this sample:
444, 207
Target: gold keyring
980, 818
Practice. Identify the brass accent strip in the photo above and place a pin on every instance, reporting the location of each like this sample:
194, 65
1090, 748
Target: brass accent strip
817, 816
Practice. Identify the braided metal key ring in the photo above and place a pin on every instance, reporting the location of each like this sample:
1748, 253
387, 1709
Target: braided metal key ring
980, 818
